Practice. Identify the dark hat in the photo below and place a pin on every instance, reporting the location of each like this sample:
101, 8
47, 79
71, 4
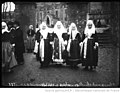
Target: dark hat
17, 23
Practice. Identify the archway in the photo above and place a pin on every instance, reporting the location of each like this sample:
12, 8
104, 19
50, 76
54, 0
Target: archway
48, 21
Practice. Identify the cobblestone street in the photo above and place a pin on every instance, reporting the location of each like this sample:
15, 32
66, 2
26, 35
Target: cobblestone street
106, 73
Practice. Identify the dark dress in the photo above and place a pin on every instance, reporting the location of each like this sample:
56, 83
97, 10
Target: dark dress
92, 54
57, 50
74, 53
19, 45
38, 38
51, 40
31, 40
12, 33
47, 50
6, 51
8, 58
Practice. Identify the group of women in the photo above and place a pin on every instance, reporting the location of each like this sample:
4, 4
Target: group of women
67, 46
12, 46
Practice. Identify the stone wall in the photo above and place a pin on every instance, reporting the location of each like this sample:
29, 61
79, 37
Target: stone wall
77, 13
25, 14
115, 19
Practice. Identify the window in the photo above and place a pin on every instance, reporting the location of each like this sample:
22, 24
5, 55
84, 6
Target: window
37, 16
56, 13
65, 14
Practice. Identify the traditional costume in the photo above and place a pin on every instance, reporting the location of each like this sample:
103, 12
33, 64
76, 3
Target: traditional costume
90, 46
30, 38
8, 58
44, 46
73, 46
37, 43
60, 42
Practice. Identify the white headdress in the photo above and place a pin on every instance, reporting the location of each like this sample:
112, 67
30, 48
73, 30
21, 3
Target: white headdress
70, 28
90, 31
6, 27
59, 31
45, 31
31, 26
75, 31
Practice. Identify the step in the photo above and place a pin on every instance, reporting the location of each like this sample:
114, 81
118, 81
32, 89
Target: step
104, 41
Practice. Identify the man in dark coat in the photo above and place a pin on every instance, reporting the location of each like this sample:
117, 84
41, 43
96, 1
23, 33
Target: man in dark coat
19, 43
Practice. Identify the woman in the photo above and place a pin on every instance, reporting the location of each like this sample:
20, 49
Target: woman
73, 47
44, 47
60, 41
51, 36
7, 53
90, 46
37, 43
31, 38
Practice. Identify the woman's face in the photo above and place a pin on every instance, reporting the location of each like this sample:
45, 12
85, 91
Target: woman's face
89, 26
73, 28
31, 27
44, 27
58, 26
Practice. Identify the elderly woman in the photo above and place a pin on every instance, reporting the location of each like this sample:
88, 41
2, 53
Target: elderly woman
73, 47
44, 46
8, 58
31, 38
60, 42
90, 46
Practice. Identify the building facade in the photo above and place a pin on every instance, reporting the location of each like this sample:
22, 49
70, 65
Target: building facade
50, 12
29, 13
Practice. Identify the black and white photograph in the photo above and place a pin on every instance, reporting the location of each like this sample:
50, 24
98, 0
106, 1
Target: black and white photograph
60, 44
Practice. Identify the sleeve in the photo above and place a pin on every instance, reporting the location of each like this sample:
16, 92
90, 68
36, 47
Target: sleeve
95, 37
38, 36
27, 32
78, 37
55, 36
12, 37
33, 32
83, 36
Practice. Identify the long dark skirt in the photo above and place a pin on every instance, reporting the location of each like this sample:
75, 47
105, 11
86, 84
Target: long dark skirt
59, 51
47, 53
74, 55
8, 58
91, 55
31, 43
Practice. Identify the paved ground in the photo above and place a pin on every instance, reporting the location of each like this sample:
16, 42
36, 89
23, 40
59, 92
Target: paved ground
29, 74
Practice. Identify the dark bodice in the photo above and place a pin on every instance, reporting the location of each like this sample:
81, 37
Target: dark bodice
51, 36
30, 32
77, 37
94, 36
37, 36
65, 36
6, 37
